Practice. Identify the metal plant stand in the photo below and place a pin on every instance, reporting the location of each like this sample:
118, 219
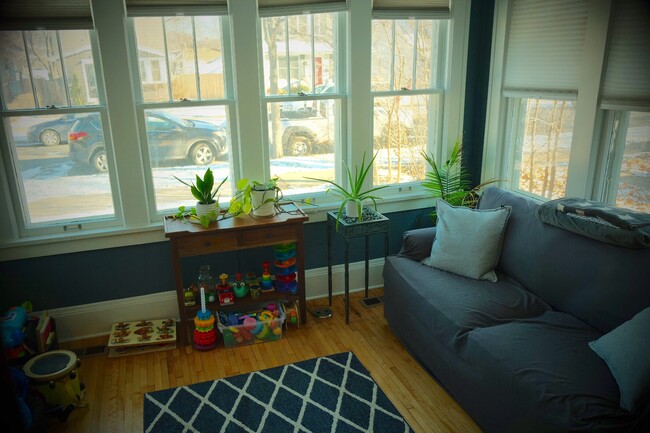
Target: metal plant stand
372, 223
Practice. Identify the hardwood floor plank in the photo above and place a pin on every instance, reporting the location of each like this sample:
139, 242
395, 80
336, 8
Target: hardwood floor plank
116, 387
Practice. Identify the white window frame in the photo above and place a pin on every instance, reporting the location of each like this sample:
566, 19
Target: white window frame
141, 106
13, 192
592, 139
435, 127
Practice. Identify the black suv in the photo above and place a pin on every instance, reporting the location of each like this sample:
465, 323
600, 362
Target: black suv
169, 137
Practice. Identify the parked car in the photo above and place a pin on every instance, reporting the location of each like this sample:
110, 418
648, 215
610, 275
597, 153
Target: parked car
53, 132
304, 136
169, 137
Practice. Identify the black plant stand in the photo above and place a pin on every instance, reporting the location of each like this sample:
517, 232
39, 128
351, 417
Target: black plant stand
372, 223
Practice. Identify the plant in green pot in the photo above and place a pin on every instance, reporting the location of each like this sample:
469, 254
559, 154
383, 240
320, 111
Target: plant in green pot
352, 199
258, 198
451, 181
204, 190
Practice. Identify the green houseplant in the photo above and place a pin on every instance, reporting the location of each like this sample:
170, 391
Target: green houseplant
256, 197
450, 181
352, 199
204, 191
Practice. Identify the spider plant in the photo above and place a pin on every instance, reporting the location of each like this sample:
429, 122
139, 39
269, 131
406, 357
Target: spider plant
450, 181
355, 194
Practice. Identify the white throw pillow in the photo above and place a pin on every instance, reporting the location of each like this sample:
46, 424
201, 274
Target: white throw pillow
468, 241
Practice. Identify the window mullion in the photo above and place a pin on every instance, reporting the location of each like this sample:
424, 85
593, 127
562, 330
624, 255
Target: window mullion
120, 104
415, 56
197, 74
31, 71
64, 72
167, 66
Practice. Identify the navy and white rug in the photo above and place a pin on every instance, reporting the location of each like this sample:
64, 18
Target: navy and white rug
332, 394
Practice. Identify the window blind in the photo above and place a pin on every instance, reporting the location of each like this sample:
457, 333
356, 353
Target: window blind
404, 9
143, 8
268, 8
544, 46
45, 14
627, 71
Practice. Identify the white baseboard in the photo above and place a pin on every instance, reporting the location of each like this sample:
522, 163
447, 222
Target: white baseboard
91, 320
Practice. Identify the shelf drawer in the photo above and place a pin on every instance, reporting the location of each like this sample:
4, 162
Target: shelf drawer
197, 245
269, 235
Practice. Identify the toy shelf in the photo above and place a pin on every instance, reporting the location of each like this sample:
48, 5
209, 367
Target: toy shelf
232, 234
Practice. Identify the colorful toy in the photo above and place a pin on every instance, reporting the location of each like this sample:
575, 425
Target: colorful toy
225, 291
256, 326
12, 324
205, 336
292, 314
239, 287
285, 268
266, 284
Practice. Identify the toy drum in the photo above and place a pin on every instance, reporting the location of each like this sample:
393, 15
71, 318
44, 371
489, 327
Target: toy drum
54, 374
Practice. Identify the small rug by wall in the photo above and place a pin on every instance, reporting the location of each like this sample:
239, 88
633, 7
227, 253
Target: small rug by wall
332, 394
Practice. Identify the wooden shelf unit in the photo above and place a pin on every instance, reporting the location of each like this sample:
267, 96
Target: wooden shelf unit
232, 234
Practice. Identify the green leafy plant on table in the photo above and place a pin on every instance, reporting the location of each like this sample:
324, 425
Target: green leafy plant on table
451, 181
254, 196
355, 195
204, 191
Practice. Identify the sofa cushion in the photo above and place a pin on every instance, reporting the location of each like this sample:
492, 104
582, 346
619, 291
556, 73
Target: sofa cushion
599, 283
545, 368
449, 305
468, 241
626, 350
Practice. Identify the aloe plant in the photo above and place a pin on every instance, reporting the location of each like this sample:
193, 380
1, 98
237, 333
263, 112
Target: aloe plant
451, 181
204, 190
355, 193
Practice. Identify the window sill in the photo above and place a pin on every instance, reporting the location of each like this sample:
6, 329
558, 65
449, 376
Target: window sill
43, 246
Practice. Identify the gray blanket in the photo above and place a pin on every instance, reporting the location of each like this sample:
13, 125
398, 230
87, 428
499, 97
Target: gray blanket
599, 221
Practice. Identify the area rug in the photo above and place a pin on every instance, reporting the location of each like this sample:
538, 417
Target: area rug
332, 394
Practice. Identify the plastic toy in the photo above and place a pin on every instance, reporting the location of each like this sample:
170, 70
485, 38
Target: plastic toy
239, 287
292, 314
205, 336
12, 324
285, 268
266, 284
225, 291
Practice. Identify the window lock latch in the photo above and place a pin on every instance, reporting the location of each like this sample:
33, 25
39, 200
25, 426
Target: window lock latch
301, 94
51, 107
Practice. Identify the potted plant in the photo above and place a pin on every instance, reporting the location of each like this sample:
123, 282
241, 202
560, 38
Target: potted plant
352, 199
256, 197
207, 207
450, 181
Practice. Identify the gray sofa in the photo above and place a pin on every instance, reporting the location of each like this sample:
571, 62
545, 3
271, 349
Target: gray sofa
514, 353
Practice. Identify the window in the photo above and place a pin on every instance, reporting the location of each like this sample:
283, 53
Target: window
303, 103
408, 83
184, 110
627, 178
541, 146
49, 90
570, 114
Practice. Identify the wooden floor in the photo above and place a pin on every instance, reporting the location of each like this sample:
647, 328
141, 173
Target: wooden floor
115, 387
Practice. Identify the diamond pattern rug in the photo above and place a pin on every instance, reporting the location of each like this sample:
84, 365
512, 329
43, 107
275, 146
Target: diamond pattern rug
331, 394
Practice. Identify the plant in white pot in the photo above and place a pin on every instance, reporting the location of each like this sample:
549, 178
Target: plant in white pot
256, 197
207, 206
352, 199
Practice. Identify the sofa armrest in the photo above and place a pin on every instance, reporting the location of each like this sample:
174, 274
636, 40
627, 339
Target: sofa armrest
416, 244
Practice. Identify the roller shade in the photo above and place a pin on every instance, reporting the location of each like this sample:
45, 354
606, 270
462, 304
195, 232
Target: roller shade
544, 45
144, 8
268, 8
45, 14
404, 9
627, 71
